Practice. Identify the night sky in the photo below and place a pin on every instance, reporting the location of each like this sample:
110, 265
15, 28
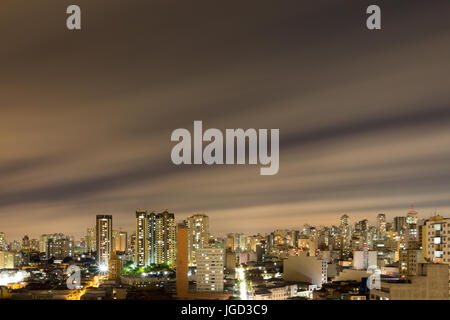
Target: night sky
86, 116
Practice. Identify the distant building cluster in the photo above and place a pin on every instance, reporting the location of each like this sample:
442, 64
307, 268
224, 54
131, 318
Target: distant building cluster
405, 258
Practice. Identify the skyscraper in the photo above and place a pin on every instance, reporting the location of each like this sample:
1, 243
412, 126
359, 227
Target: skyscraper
60, 246
344, 220
141, 255
90, 240
230, 242
411, 228
381, 225
103, 238
346, 236
131, 244
2, 241
43, 239
410, 255
166, 237
47, 243
6, 260
162, 231
26, 244
399, 224
436, 241
198, 226
210, 263
34, 245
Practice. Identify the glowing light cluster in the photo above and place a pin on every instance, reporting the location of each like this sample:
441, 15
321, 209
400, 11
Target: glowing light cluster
243, 284
103, 268
7, 277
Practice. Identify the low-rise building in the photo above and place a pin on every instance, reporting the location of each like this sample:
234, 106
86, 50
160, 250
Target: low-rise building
304, 268
430, 283
281, 291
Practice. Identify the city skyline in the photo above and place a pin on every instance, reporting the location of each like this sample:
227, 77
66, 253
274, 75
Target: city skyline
372, 221
86, 117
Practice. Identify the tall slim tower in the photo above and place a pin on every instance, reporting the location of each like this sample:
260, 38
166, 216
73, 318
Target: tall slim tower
411, 228
141, 245
103, 230
162, 234
91, 244
2, 241
410, 255
26, 243
381, 225
344, 220
43, 243
152, 255
198, 226
230, 242
182, 260
346, 236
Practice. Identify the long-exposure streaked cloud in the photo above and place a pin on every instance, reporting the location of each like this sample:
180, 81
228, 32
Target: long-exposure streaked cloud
86, 118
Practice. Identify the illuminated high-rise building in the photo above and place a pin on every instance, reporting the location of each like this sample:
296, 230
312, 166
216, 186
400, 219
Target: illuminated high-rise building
3, 245
436, 241
252, 242
6, 260
344, 241
236, 242
362, 225
344, 220
34, 245
210, 263
79, 246
60, 246
26, 244
411, 228
91, 243
381, 225
141, 245
400, 224
198, 226
410, 254
409, 262
103, 238
131, 244
15, 246
306, 230
43, 243
162, 235
57, 245
230, 241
